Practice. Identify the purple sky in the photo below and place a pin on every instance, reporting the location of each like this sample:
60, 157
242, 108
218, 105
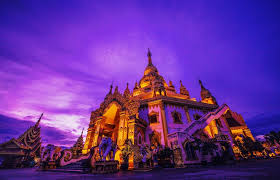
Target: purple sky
59, 57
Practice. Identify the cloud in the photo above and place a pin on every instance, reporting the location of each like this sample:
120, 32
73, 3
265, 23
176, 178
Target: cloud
13, 128
264, 123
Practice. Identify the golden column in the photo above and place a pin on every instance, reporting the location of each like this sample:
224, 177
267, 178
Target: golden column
131, 136
122, 129
96, 133
164, 124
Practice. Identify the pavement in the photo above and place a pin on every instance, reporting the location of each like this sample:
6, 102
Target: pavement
254, 169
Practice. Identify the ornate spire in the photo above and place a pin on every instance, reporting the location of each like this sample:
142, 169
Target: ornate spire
183, 90
111, 87
38, 122
206, 95
126, 91
149, 57
78, 146
201, 85
116, 90
171, 84
136, 85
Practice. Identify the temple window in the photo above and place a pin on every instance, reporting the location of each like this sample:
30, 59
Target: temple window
153, 117
177, 117
139, 139
196, 116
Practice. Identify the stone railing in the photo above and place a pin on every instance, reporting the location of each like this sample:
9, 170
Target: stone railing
201, 123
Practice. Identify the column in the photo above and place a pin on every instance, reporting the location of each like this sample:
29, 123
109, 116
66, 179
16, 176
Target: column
87, 145
122, 129
187, 114
97, 130
164, 124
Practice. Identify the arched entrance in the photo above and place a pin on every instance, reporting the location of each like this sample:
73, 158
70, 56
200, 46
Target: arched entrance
110, 124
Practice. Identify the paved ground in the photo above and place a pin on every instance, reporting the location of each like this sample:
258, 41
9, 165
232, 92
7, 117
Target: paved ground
261, 169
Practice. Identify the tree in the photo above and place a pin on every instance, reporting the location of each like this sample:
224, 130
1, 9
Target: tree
273, 136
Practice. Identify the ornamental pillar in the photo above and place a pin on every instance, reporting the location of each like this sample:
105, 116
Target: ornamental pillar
131, 130
131, 135
87, 144
122, 134
164, 124
187, 114
97, 130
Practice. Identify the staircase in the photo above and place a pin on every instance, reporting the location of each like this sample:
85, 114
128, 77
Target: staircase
205, 120
76, 167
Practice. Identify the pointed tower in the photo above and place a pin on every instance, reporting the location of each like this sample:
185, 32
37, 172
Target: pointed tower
149, 57
110, 92
150, 69
126, 93
78, 146
38, 122
116, 90
206, 95
171, 84
136, 85
111, 87
183, 90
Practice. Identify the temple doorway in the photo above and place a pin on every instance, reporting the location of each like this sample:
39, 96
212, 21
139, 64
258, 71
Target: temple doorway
111, 122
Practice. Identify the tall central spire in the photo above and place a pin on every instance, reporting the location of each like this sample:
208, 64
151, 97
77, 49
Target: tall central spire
149, 57
38, 122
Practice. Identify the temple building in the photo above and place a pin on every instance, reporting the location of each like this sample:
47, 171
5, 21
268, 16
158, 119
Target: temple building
155, 113
24, 150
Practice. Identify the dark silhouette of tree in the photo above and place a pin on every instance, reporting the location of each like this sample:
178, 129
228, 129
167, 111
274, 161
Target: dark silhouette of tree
272, 137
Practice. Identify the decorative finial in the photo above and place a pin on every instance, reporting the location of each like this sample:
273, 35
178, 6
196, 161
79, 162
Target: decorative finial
183, 90
116, 89
136, 85
201, 85
170, 84
126, 92
149, 56
38, 122
82, 132
111, 87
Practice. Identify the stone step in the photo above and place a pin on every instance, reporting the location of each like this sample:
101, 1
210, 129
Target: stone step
79, 166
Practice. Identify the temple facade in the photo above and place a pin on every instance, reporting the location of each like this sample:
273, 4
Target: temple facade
154, 113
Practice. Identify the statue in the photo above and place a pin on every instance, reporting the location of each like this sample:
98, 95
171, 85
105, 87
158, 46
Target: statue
105, 147
50, 156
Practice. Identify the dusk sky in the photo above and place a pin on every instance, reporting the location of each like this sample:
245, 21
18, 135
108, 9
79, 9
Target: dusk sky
60, 57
